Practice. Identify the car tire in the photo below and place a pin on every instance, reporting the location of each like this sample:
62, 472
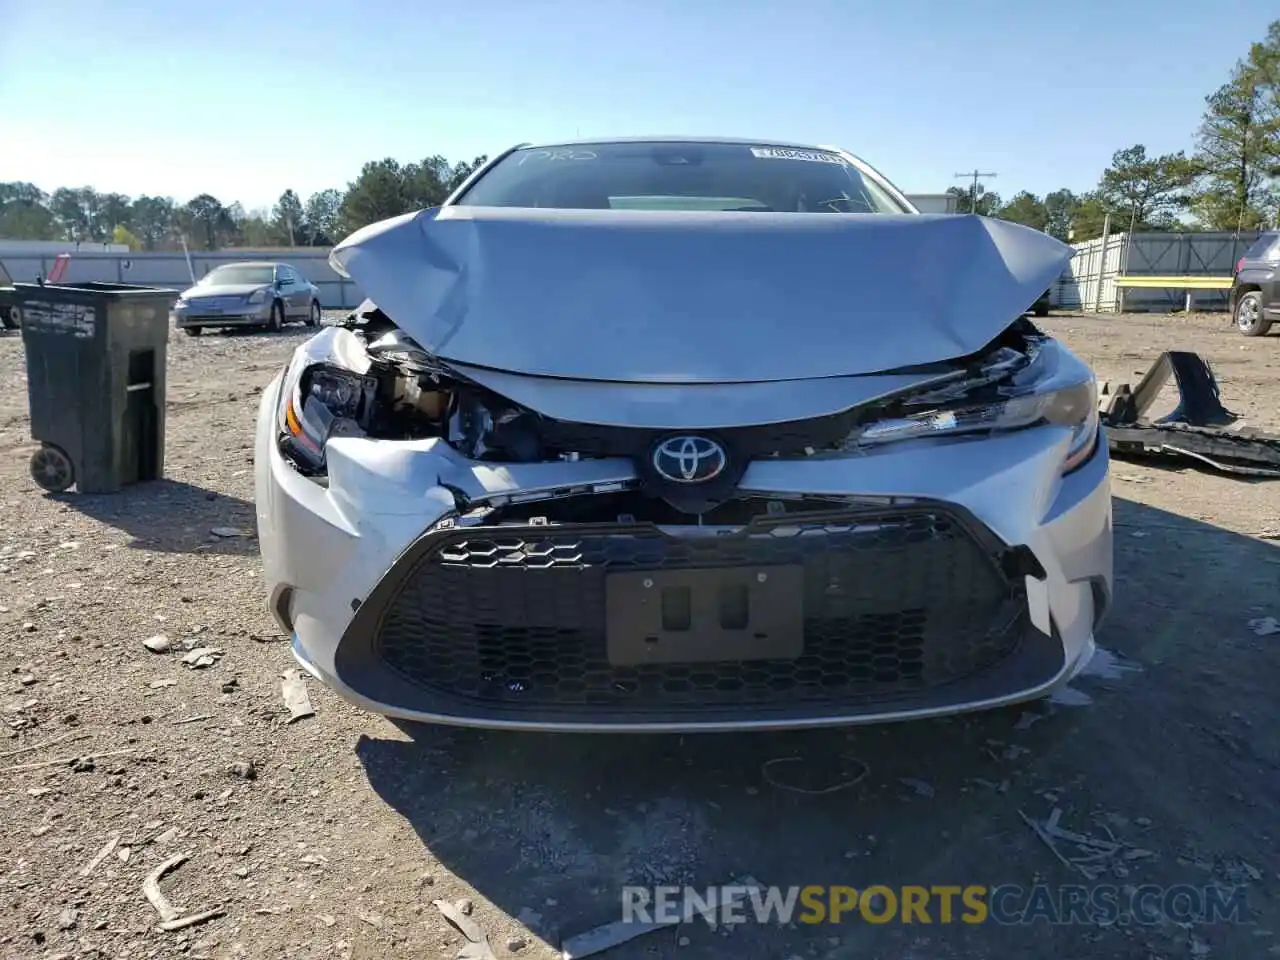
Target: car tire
1041, 310
11, 317
313, 317
193, 331
1248, 316
276, 323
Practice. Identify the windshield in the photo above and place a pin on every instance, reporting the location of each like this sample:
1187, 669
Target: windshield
679, 176
1266, 247
239, 274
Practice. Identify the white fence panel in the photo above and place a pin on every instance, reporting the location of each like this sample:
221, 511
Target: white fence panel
1089, 282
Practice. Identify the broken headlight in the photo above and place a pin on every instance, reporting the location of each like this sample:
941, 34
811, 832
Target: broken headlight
1074, 406
324, 402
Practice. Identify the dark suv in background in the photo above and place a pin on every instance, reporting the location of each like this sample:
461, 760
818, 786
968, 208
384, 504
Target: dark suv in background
1255, 289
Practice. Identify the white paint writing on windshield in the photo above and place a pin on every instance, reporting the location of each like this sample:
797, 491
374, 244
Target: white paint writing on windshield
557, 154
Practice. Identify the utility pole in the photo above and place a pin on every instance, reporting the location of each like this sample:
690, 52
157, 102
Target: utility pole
975, 175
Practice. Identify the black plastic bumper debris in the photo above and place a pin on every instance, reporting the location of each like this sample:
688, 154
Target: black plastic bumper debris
96, 357
1200, 428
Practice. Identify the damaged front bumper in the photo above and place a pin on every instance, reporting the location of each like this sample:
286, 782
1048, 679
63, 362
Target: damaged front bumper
938, 576
239, 315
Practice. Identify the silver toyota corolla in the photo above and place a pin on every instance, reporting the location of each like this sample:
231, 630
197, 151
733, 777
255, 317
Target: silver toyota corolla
686, 435
248, 295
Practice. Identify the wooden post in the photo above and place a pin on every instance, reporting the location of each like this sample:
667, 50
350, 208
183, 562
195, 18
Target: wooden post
1102, 263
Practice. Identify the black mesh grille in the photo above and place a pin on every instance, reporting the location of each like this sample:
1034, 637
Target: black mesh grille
897, 600
745, 443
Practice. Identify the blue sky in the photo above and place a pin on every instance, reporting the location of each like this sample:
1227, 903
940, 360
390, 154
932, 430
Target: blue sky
243, 99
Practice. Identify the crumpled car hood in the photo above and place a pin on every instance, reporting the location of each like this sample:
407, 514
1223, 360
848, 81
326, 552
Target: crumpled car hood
693, 297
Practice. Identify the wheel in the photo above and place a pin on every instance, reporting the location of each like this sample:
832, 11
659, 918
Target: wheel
1042, 310
1249, 318
51, 469
313, 318
194, 331
277, 317
11, 317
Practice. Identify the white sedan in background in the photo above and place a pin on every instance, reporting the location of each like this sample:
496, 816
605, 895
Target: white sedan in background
261, 295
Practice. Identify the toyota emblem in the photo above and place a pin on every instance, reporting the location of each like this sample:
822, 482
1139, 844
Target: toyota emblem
689, 459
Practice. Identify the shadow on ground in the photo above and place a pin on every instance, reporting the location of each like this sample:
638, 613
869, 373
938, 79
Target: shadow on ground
1179, 465
173, 517
290, 330
1178, 755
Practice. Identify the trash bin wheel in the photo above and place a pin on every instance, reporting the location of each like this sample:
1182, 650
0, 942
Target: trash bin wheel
52, 469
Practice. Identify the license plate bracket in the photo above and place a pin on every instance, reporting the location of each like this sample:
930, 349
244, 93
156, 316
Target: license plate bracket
705, 615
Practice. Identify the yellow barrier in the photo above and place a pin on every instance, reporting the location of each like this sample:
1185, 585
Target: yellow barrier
1176, 283
1189, 284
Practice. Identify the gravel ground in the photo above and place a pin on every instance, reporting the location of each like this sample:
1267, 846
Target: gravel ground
331, 836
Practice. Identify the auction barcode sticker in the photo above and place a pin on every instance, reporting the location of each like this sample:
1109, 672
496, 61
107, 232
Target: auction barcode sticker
790, 153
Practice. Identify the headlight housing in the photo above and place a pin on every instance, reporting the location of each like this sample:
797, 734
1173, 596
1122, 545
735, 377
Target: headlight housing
258, 296
324, 401
1074, 406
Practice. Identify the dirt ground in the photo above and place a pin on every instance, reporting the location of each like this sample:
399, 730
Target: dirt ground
344, 829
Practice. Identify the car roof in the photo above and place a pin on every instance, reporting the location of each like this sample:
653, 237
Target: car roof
670, 138
252, 263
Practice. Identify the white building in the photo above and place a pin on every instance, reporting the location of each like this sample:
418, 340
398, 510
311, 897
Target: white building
933, 202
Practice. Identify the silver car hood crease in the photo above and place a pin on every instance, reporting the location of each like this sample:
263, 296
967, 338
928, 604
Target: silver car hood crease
657, 297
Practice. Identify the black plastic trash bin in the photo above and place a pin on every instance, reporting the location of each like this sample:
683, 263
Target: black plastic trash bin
96, 356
